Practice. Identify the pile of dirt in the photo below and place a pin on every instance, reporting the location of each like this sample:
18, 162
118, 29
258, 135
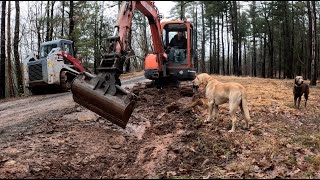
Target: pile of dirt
164, 140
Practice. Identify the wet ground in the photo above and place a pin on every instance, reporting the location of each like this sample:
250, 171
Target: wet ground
50, 136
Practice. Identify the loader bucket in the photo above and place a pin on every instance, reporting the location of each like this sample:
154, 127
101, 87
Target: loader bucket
101, 95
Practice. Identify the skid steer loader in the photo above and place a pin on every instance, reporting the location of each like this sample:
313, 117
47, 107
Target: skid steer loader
54, 67
103, 94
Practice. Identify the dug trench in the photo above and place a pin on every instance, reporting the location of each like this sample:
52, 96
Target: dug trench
165, 139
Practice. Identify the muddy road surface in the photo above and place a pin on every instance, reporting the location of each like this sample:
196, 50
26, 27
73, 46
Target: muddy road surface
17, 111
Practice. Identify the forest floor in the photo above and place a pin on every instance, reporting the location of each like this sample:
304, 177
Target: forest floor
163, 139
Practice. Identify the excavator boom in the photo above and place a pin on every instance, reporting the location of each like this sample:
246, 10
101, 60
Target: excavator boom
102, 93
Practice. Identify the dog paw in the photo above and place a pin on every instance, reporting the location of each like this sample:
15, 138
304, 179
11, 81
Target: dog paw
231, 131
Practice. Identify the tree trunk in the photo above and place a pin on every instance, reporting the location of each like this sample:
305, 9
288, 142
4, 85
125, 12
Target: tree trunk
119, 5
228, 41
71, 21
261, 54
130, 48
95, 49
48, 21
218, 48
3, 56
10, 79
270, 46
240, 36
51, 20
196, 63
222, 41
254, 60
305, 52
42, 26
264, 55
38, 25
313, 80
144, 38
280, 53
16, 49
214, 68
309, 40
203, 67
182, 10
240, 58
301, 54
62, 21
292, 57
288, 53
71, 27
235, 38
245, 57
100, 35
210, 41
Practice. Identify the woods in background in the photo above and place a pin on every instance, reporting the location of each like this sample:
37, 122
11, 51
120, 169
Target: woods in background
268, 39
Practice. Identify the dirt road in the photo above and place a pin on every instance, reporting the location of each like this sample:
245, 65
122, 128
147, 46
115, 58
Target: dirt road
18, 112
60, 139
15, 112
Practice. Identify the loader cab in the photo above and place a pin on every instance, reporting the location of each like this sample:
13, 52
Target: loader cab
37, 72
46, 47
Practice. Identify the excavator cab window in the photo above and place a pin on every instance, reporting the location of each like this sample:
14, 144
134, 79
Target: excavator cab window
45, 50
175, 41
67, 49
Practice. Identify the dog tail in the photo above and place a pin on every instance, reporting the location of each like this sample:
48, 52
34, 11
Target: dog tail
244, 106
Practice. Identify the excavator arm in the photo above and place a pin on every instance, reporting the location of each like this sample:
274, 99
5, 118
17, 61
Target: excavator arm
124, 24
102, 93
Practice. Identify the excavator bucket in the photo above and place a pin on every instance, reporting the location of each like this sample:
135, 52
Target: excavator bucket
103, 96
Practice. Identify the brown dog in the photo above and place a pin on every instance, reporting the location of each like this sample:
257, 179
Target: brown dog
219, 93
299, 89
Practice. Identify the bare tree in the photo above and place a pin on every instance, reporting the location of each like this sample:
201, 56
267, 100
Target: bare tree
144, 38
313, 80
71, 26
39, 24
210, 47
235, 37
51, 20
196, 64
62, 21
16, 50
203, 65
223, 58
10, 79
48, 23
3, 56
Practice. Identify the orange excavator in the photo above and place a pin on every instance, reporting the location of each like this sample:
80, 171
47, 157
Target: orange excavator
103, 94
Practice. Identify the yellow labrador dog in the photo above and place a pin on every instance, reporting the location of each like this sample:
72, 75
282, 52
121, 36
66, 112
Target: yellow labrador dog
219, 93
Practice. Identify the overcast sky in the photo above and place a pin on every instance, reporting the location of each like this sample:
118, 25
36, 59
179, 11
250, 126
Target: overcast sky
164, 7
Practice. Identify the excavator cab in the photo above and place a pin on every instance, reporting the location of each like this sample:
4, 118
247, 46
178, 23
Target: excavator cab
180, 53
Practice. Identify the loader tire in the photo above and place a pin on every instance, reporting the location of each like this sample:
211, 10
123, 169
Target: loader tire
65, 84
34, 91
